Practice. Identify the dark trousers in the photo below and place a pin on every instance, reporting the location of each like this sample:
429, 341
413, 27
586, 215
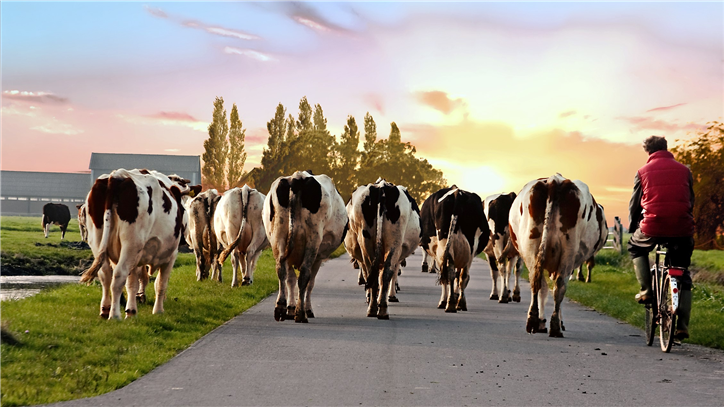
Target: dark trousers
678, 251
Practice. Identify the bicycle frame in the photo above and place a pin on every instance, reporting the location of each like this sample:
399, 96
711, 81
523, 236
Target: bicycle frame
663, 269
666, 300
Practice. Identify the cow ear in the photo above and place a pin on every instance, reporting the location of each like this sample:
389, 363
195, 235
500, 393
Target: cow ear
194, 190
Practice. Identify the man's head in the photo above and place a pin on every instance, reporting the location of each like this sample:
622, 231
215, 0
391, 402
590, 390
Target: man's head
654, 144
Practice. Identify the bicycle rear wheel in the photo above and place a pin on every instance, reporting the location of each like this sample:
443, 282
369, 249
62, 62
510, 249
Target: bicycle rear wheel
668, 318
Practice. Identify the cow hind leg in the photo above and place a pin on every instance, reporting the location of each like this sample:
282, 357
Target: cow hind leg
280, 309
105, 275
245, 279
452, 299
462, 304
504, 278
132, 286
237, 258
161, 286
387, 285
494, 277
590, 263
143, 277
516, 290
392, 295
373, 289
120, 275
63, 228
559, 291
308, 302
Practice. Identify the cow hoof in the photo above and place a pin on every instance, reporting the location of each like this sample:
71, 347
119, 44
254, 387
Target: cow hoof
310, 314
451, 306
494, 297
441, 305
105, 316
452, 310
503, 300
563, 327
433, 271
392, 299
361, 280
355, 265
386, 316
516, 297
397, 287
131, 313
279, 314
303, 320
141, 298
371, 313
581, 279
531, 325
291, 312
588, 280
403, 264
247, 281
424, 268
555, 334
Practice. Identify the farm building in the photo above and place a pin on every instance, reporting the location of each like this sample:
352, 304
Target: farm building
25, 192
187, 166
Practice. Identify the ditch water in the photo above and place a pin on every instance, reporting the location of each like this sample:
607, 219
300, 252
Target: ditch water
17, 287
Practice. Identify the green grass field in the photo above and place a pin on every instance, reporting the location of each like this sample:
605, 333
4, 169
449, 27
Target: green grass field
26, 251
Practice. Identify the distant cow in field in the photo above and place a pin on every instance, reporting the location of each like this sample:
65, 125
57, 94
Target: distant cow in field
240, 231
200, 234
500, 250
384, 229
81, 222
555, 225
454, 231
305, 221
134, 219
55, 214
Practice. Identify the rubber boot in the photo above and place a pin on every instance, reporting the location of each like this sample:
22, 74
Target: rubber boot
643, 275
683, 314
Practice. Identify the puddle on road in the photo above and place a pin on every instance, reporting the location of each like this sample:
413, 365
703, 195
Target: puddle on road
18, 287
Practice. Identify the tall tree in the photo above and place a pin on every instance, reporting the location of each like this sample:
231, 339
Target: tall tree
347, 158
216, 147
237, 152
705, 157
370, 133
305, 116
272, 157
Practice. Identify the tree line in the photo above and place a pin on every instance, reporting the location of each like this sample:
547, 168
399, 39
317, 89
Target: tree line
305, 143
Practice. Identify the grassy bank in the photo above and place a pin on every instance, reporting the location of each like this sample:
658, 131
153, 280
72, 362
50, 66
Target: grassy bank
66, 351
614, 287
25, 250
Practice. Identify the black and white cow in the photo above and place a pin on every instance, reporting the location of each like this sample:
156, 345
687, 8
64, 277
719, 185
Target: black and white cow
384, 229
591, 262
55, 214
426, 259
135, 219
305, 221
555, 225
200, 234
454, 231
240, 231
500, 250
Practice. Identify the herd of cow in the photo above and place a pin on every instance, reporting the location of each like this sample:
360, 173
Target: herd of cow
133, 221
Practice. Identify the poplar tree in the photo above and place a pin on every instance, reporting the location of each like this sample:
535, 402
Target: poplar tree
237, 153
347, 158
216, 147
272, 157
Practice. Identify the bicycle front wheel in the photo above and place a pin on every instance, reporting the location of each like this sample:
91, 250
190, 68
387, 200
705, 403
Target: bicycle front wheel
650, 324
668, 318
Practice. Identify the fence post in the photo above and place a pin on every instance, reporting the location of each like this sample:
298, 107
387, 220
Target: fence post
618, 235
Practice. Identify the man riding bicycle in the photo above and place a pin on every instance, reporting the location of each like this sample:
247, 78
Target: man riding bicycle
661, 212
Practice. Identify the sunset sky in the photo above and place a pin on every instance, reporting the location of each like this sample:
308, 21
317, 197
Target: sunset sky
493, 94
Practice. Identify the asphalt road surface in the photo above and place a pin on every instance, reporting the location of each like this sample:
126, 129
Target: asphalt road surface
424, 356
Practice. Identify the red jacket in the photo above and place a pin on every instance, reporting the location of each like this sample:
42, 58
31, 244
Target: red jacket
663, 198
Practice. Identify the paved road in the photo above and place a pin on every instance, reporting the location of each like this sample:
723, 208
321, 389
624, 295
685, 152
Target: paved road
423, 356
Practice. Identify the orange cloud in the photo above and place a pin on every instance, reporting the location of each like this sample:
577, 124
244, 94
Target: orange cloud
566, 114
607, 168
648, 123
440, 101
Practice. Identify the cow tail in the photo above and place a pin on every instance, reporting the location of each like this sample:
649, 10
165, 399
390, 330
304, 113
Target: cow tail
290, 235
244, 209
446, 253
381, 209
92, 271
540, 259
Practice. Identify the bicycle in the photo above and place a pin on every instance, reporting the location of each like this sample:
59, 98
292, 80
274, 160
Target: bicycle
662, 311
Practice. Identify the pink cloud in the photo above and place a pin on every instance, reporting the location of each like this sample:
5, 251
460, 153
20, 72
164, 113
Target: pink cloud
648, 123
33, 97
566, 114
179, 116
375, 100
439, 101
311, 24
259, 56
657, 109
156, 12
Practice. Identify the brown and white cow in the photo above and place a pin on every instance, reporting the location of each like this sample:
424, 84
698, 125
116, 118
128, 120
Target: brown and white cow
240, 231
134, 219
305, 222
500, 250
55, 214
81, 222
555, 225
200, 234
454, 231
384, 229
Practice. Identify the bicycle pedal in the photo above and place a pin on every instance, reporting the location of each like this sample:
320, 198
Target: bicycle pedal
677, 343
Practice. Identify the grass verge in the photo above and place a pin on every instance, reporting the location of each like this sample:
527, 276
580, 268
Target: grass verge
65, 351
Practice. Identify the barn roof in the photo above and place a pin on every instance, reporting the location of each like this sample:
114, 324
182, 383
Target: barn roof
44, 184
158, 162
